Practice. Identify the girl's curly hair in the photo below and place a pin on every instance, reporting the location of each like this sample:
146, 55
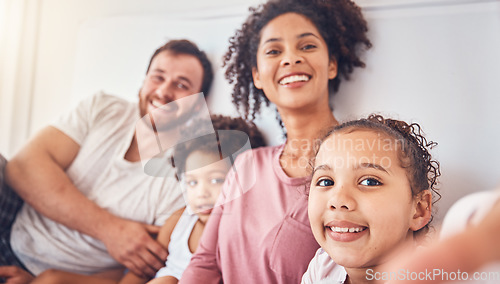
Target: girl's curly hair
221, 143
340, 23
413, 152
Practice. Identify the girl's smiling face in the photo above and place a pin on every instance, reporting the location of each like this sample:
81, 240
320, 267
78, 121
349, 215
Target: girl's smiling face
293, 66
360, 202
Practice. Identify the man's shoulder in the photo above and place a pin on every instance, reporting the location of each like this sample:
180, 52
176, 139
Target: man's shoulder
106, 104
102, 98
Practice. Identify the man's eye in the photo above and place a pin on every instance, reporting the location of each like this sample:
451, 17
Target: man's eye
325, 182
157, 78
370, 182
182, 86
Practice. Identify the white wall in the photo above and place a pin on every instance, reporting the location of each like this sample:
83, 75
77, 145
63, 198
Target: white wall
433, 62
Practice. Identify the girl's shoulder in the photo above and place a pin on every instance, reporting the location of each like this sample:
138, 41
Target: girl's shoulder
322, 269
169, 225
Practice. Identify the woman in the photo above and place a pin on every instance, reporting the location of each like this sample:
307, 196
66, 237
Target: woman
293, 54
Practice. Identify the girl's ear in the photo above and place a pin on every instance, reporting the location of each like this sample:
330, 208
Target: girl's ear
332, 68
256, 78
422, 210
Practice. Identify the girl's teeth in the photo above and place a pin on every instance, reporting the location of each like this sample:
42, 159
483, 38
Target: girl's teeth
345, 230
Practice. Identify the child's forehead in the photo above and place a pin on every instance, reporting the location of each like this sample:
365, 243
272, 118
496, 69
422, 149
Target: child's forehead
360, 139
203, 159
358, 146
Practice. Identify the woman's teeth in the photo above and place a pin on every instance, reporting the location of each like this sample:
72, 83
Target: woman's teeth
347, 230
293, 79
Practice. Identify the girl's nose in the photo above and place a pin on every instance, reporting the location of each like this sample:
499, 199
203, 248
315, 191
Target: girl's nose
202, 191
342, 199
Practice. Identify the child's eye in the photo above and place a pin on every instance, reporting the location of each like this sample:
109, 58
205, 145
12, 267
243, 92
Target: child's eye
191, 183
370, 182
217, 181
325, 182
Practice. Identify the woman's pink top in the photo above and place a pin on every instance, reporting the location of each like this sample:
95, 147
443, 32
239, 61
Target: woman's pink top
260, 233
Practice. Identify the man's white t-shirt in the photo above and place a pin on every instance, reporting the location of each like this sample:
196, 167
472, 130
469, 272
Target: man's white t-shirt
103, 126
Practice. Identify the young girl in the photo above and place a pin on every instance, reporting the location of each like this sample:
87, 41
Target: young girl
201, 165
370, 196
292, 53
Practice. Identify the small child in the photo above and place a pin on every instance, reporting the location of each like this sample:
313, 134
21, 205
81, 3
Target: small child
201, 172
201, 165
370, 196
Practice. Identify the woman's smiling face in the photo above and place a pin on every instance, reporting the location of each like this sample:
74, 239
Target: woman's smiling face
360, 202
293, 66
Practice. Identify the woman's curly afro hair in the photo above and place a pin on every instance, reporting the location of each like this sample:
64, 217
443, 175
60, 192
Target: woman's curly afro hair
340, 22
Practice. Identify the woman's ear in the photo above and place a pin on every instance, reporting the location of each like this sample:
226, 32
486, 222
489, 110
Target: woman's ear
332, 68
422, 210
256, 78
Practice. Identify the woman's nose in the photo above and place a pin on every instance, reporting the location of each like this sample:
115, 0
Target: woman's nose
291, 58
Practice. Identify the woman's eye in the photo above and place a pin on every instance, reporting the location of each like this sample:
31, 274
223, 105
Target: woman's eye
370, 182
272, 52
191, 183
308, 46
325, 182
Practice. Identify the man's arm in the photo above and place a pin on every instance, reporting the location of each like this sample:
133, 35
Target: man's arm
164, 239
38, 175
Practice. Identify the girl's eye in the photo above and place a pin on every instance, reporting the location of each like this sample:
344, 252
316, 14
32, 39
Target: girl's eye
217, 181
370, 182
325, 182
191, 183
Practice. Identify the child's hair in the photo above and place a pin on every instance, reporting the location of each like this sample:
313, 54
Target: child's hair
413, 152
339, 22
221, 143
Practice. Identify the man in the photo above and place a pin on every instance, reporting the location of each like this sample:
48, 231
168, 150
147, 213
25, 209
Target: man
89, 204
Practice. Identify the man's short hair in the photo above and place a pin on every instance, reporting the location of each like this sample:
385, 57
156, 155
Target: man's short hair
183, 46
